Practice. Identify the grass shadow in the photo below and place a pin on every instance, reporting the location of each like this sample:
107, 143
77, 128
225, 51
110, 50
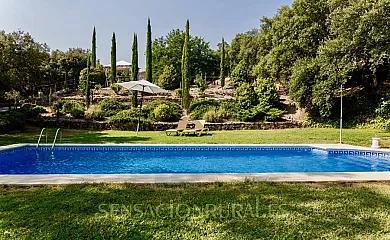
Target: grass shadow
102, 137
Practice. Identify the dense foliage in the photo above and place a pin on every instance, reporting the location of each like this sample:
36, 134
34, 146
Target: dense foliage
168, 111
313, 47
158, 110
110, 106
72, 107
168, 50
96, 77
16, 119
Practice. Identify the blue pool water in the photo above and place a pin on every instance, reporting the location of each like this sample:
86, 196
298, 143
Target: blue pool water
179, 159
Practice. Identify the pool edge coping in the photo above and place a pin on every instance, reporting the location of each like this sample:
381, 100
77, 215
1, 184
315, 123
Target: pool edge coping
192, 178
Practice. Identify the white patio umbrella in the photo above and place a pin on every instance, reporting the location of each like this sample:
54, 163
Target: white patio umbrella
142, 86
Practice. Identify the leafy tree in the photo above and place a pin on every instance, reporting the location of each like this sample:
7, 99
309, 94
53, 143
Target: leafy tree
266, 92
22, 61
246, 96
201, 83
149, 57
168, 50
239, 75
223, 70
185, 69
135, 70
168, 78
94, 48
113, 60
63, 68
96, 75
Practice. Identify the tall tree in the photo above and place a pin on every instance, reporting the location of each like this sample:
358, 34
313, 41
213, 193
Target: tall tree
113, 59
135, 69
223, 69
168, 51
185, 69
94, 48
149, 57
87, 85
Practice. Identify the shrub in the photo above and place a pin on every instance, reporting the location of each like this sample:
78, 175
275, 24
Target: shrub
16, 119
266, 92
169, 79
95, 113
178, 92
111, 106
260, 112
231, 107
116, 88
273, 114
38, 110
128, 116
72, 107
96, 75
239, 75
76, 112
12, 120
201, 84
216, 115
383, 111
246, 96
198, 108
175, 110
162, 113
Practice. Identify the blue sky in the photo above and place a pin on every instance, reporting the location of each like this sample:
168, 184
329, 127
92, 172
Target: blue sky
68, 23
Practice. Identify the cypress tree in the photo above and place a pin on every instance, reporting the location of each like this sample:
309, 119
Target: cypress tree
134, 65
113, 60
50, 96
185, 69
87, 85
94, 48
223, 68
149, 61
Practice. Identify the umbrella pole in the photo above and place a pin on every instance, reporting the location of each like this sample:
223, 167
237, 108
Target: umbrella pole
140, 110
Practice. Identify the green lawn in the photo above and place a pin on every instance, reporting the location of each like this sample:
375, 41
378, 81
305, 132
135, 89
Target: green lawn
360, 137
197, 211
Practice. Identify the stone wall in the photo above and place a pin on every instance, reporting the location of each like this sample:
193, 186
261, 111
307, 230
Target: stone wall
99, 125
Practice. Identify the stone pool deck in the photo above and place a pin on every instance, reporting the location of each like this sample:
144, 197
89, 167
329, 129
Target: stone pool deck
194, 178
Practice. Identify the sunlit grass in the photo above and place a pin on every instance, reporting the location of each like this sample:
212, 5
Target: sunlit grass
360, 137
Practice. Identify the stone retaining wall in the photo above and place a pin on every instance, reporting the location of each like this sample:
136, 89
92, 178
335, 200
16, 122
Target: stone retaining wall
99, 125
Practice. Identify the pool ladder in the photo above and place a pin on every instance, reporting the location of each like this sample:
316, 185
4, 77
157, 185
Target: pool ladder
55, 137
40, 136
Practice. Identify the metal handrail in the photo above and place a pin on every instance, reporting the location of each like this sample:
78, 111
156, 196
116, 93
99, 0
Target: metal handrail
55, 138
40, 136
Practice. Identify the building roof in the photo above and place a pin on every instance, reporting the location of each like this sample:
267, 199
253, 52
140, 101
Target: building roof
119, 64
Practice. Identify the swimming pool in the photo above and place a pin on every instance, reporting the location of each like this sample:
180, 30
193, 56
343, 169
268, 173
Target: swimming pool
180, 159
